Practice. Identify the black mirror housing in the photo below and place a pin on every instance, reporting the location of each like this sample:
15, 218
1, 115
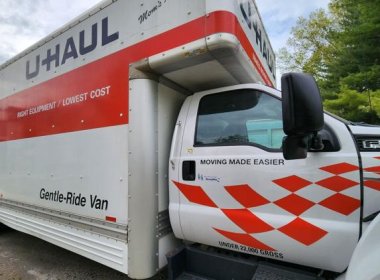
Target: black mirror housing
302, 113
295, 147
302, 107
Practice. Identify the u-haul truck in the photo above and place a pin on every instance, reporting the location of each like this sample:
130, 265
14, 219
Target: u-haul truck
148, 132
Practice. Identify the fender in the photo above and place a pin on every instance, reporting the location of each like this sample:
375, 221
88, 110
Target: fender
364, 264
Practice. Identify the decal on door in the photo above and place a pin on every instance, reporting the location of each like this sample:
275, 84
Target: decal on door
299, 229
373, 183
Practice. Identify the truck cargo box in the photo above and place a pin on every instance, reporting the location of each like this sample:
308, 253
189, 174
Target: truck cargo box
87, 116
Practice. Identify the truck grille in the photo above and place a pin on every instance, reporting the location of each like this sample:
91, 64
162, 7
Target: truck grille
368, 143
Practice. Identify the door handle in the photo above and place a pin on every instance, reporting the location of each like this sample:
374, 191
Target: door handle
188, 170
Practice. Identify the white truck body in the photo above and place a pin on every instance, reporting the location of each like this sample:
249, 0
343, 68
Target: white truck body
90, 162
79, 139
254, 201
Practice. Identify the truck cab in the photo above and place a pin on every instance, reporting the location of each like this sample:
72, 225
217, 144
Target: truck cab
145, 127
232, 187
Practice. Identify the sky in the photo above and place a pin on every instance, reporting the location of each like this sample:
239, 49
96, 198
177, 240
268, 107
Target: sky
24, 22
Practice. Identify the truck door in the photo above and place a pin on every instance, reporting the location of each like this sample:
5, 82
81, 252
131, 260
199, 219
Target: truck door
236, 191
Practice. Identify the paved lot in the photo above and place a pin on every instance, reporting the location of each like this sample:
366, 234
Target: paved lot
23, 257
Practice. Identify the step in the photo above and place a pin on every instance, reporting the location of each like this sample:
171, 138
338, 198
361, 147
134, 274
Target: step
269, 271
207, 263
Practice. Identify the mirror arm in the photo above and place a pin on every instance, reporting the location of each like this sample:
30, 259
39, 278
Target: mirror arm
316, 143
295, 146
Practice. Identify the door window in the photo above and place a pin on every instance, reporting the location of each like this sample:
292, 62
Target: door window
241, 117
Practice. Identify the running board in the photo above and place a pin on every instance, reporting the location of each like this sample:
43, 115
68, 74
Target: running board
196, 263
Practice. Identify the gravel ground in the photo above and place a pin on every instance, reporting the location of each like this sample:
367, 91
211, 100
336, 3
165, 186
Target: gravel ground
24, 257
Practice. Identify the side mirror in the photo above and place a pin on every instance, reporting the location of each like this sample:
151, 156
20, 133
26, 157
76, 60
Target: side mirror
302, 113
295, 147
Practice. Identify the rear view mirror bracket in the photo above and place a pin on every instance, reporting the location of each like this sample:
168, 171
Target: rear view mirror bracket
302, 111
295, 147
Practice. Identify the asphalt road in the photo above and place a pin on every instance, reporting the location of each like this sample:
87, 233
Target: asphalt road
24, 257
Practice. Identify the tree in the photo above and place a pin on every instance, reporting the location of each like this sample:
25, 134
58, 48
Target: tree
341, 49
356, 62
353, 105
308, 48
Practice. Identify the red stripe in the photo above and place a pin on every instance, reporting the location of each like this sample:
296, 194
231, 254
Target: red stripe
374, 169
100, 112
224, 22
302, 231
195, 194
228, 23
111, 71
247, 221
111, 219
372, 184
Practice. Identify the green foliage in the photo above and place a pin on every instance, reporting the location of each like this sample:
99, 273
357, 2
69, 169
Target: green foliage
340, 47
361, 81
308, 48
355, 106
357, 60
375, 103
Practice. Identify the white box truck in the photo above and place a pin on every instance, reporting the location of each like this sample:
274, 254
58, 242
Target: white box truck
148, 132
